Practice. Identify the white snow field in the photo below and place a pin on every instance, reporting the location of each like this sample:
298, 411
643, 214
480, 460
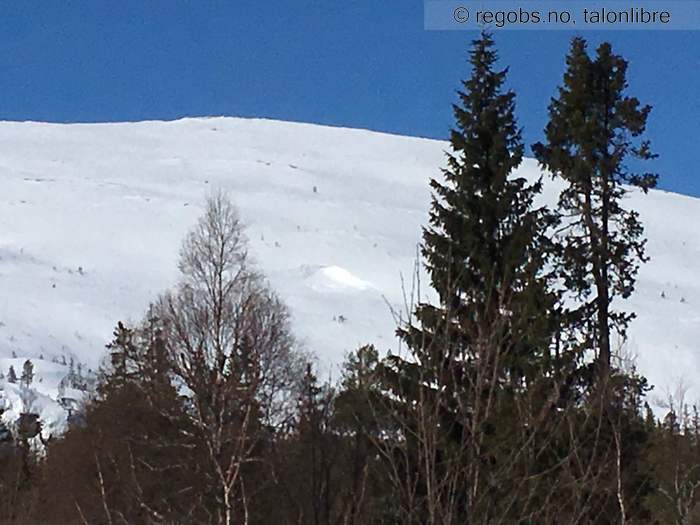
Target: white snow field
92, 216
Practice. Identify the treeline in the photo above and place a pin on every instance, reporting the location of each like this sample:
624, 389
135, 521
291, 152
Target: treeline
510, 400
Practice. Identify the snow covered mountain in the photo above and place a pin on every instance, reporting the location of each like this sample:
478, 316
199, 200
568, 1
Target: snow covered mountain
92, 216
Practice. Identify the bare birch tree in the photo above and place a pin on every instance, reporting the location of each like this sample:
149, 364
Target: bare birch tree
231, 350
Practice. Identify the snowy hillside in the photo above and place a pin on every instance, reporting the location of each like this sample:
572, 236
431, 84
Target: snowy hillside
92, 215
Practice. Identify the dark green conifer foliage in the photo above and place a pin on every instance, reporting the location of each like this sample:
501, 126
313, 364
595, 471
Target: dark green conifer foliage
484, 250
315, 440
593, 129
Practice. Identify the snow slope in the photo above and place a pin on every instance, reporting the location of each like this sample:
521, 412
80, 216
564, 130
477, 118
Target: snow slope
92, 215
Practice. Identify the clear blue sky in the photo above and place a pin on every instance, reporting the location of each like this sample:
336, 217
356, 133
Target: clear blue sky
366, 64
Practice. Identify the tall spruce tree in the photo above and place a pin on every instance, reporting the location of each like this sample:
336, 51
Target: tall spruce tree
485, 246
489, 336
593, 129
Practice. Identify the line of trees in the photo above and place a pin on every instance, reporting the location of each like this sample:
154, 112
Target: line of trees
507, 402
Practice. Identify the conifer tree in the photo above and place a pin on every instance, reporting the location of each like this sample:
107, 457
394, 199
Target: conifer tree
315, 441
123, 350
484, 246
27, 373
71, 371
484, 250
357, 416
11, 375
6, 437
593, 129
